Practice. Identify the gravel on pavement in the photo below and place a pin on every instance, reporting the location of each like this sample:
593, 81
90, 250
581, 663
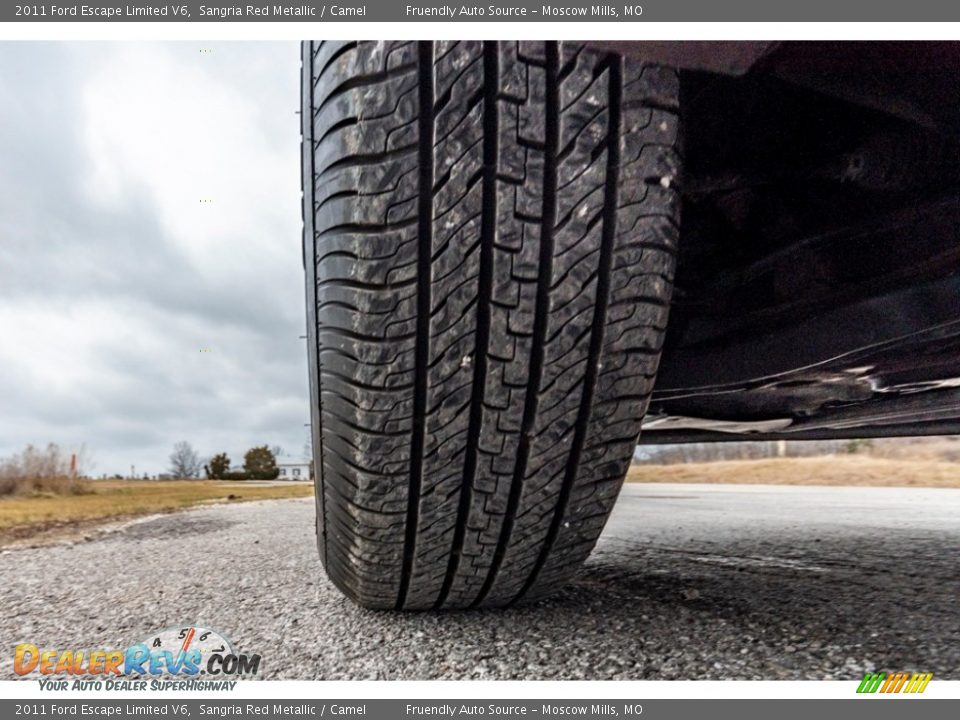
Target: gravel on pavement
687, 582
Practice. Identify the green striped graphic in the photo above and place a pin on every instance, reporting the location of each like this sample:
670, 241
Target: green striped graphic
871, 682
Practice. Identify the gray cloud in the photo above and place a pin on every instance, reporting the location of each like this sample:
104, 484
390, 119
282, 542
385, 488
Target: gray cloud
114, 275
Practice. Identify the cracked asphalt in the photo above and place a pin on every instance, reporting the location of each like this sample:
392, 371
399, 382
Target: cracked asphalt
687, 582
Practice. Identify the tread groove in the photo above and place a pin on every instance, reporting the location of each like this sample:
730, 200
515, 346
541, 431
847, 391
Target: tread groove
608, 236
361, 81
548, 220
488, 233
424, 300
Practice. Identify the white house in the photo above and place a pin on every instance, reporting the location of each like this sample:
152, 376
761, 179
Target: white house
294, 470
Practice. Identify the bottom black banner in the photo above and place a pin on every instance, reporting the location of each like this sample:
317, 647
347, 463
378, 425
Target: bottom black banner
874, 708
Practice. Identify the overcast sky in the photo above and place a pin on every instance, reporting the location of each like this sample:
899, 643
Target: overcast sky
114, 275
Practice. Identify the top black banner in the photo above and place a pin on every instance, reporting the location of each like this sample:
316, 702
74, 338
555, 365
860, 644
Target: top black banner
501, 11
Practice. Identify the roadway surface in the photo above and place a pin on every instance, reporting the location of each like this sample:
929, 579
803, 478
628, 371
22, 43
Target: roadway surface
688, 582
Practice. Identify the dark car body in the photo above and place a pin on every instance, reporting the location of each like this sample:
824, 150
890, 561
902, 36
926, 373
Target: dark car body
818, 286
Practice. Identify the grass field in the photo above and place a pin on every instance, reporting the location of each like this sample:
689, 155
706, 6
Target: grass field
850, 470
51, 516
28, 516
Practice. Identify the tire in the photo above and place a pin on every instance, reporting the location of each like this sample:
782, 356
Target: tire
489, 239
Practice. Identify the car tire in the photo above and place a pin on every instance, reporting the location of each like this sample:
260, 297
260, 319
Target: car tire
489, 241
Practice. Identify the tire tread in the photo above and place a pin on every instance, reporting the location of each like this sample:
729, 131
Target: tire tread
489, 234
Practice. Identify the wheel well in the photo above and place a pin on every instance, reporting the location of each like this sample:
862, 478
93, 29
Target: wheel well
818, 268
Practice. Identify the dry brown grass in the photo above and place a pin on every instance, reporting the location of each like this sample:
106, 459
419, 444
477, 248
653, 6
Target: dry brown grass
38, 471
850, 470
942, 449
22, 517
41, 485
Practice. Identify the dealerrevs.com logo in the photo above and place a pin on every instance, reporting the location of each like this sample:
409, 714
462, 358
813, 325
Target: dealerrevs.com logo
186, 657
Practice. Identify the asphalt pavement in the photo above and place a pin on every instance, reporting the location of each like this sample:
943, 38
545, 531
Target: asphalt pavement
687, 582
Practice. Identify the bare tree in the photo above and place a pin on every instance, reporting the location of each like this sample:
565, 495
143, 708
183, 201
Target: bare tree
36, 470
184, 461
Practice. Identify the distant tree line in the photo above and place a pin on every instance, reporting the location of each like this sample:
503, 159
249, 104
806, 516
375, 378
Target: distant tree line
259, 463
